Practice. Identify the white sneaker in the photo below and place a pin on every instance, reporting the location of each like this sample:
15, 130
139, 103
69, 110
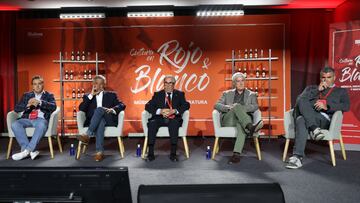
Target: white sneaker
294, 163
20, 155
34, 154
317, 134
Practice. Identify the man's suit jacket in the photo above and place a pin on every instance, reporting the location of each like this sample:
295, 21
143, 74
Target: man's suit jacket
48, 104
227, 98
338, 100
158, 102
110, 100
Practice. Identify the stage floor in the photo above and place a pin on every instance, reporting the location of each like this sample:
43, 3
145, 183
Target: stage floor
316, 181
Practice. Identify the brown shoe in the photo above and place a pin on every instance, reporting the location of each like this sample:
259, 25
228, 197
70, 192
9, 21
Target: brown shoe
234, 159
84, 139
99, 156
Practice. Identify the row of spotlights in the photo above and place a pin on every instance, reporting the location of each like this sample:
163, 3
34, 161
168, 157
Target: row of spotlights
152, 14
81, 15
220, 13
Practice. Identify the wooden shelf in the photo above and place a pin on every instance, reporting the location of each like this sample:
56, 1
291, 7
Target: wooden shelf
58, 80
260, 78
252, 59
85, 62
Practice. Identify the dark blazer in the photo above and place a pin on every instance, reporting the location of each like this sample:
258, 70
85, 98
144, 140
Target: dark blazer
338, 100
48, 104
110, 100
158, 102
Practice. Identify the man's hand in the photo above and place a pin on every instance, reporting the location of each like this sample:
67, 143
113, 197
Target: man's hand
94, 91
165, 112
323, 85
108, 110
320, 106
33, 102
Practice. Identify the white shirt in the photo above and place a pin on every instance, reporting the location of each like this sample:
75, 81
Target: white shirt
99, 100
38, 97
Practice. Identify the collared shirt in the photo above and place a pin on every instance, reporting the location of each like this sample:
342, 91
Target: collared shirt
38, 97
99, 100
239, 97
158, 111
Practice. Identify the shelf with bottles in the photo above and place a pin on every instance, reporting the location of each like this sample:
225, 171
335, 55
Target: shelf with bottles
252, 78
250, 56
82, 76
79, 58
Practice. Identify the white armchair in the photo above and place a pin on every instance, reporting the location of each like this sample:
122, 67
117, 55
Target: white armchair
334, 133
51, 131
230, 132
110, 131
164, 132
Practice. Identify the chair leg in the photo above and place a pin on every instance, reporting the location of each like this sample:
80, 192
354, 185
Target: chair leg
84, 148
51, 147
144, 148
59, 143
216, 145
121, 150
332, 154
78, 151
186, 147
342, 147
286, 149
123, 146
9, 147
257, 146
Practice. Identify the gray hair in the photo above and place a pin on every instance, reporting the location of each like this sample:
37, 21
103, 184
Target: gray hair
170, 76
327, 69
101, 77
236, 76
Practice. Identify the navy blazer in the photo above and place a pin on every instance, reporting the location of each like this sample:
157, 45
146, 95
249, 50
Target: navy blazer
110, 100
48, 104
158, 102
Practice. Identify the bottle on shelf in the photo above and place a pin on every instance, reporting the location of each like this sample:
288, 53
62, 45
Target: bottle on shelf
85, 74
66, 75
66, 56
73, 93
72, 56
256, 91
239, 68
88, 56
83, 56
245, 72
257, 74
263, 73
239, 56
82, 92
261, 53
71, 74
250, 54
245, 54
138, 150
256, 53
78, 56
78, 93
208, 152
89, 74
74, 111
72, 150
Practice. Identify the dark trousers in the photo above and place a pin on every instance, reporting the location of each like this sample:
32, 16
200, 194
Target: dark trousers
173, 127
308, 117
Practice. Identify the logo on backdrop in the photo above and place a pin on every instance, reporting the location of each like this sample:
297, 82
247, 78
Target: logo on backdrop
350, 72
183, 63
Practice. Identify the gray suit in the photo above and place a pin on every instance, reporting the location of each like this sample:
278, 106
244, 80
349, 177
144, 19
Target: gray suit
238, 116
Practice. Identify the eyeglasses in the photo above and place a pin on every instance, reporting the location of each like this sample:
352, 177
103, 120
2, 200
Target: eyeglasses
169, 83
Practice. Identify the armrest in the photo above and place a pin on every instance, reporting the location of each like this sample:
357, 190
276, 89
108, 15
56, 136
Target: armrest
53, 122
216, 120
10, 118
335, 125
186, 118
289, 124
144, 120
120, 125
80, 120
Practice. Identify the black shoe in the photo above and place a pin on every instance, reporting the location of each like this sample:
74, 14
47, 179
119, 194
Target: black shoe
150, 158
234, 159
253, 128
174, 158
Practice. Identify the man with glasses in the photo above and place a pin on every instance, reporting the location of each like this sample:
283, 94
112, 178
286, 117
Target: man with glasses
166, 108
236, 107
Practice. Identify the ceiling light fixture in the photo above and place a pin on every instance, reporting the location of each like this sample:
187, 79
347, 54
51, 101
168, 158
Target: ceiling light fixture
150, 14
81, 15
221, 13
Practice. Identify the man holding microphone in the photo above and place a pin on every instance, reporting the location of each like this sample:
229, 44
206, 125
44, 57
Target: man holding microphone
102, 109
313, 111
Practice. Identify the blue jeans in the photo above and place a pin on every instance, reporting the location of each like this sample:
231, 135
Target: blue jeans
97, 128
18, 127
